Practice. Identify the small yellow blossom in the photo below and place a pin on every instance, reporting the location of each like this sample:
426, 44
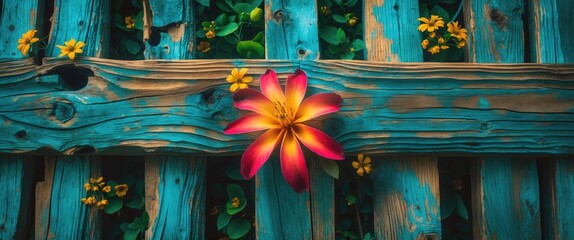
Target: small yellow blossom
95, 188
456, 31
362, 165
238, 79
432, 35
431, 24
324, 10
204, 46
26, 41
87, 186
434, 50
461, 44
121, 190
101, 204
441, 40
70, 49
425, 43
107, 189
130, 22
84, 201
210, 34
235, 202
444, 47
352, 21
457, 184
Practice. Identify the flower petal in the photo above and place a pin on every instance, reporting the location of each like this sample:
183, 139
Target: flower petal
71, 43
295, 89
252, 100
251, 123
80, 44
293, 164
317, 105
242, 72
26, 49
233, 87
270, 86
259, 151
235, 73
319, 142
247, 79
231, 79
72, 55
355, 164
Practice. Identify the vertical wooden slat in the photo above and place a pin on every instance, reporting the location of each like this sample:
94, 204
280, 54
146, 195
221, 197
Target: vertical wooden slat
175, 185
16, 178
551, 40
175, 197
17, 18
291, 33
406, 204
504, 190
322, 202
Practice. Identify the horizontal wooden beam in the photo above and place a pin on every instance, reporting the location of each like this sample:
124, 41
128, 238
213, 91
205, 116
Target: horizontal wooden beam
182, 106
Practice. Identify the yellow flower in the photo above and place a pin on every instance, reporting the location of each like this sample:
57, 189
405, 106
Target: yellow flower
87, 186
95, 188
352, 21
84, 201
456, 31
204, 46
425, 43
434, 50
461, 44
444, 47
362, 165
102, 204
26, 40
440, 40
107, 189
210, 34
238, 79
121, 190
70, 49
235, 202
431, 24
324, 10
130, 22
432, 35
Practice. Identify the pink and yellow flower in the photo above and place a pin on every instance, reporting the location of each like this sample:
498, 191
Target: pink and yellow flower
282, 115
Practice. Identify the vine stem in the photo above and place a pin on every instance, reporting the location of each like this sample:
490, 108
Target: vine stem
457, 12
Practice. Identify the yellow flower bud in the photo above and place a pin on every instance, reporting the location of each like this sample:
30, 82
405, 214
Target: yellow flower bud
255, 14
210, 34
425, 43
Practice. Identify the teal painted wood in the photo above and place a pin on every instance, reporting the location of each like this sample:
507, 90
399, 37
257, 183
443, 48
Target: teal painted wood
391, 33
322, 202
16, 176
551, 35
406, 198
16, 19
557, 191
434, 108
281, 213
175, 197
175, 18
86, 21
506, 199
291, 29
496, 32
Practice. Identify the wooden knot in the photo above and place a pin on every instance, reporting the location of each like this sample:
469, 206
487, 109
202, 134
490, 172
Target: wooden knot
64, 111
498, 17
278, 15
428, 236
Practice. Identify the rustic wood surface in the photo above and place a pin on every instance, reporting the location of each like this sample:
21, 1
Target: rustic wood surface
557, 189
322, 201
16, 195
17, 17
170, 23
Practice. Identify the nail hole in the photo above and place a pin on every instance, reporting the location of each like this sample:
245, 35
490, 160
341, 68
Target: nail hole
177, 181
396, 7
11, 28
301, 51
21, 134
207, 96
72, 78
81, 23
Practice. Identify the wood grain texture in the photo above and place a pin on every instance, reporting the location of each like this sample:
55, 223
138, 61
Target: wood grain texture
17, 18
43, 201
183, 106
87, 21
175, 197
16, 176
172, 22
406, 198
322, 202
497, 30
506, 199
557, 191
551, 37
391, 33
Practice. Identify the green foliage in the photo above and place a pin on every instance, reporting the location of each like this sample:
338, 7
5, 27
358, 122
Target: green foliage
331, 167
454, 198
452, 48
231, 29
340, 29
127, 30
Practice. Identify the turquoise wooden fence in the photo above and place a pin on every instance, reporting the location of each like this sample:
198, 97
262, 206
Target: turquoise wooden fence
514, 119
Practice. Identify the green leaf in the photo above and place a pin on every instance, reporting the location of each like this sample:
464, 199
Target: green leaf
260, 38
132, 46
222, 220
347, 56
234, 210
424, 11
224, 5
227, 29
329, 35
368, 236
204, 2
351, 199
134, 226
460, 207
124, 226
131, 234
350, 3
145, 220
238, 227
330, 167
114, 205
244, 47
221, 20
438, 10
447, 202
234, 190
138, 21
341, 35
243, 8
358, 45
234, 172
136, 203
340, 19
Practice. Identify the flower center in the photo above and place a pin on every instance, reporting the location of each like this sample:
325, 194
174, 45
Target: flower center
235, 202
71, 48
283, 114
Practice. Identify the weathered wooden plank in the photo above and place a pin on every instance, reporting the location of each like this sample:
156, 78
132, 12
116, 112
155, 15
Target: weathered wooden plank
175, 197
505, 199
552, 40
183, 106
496, 32
406, 205
322, 202
391, 33
86, 21
17, 18
16, 176
171, 24
557, 191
